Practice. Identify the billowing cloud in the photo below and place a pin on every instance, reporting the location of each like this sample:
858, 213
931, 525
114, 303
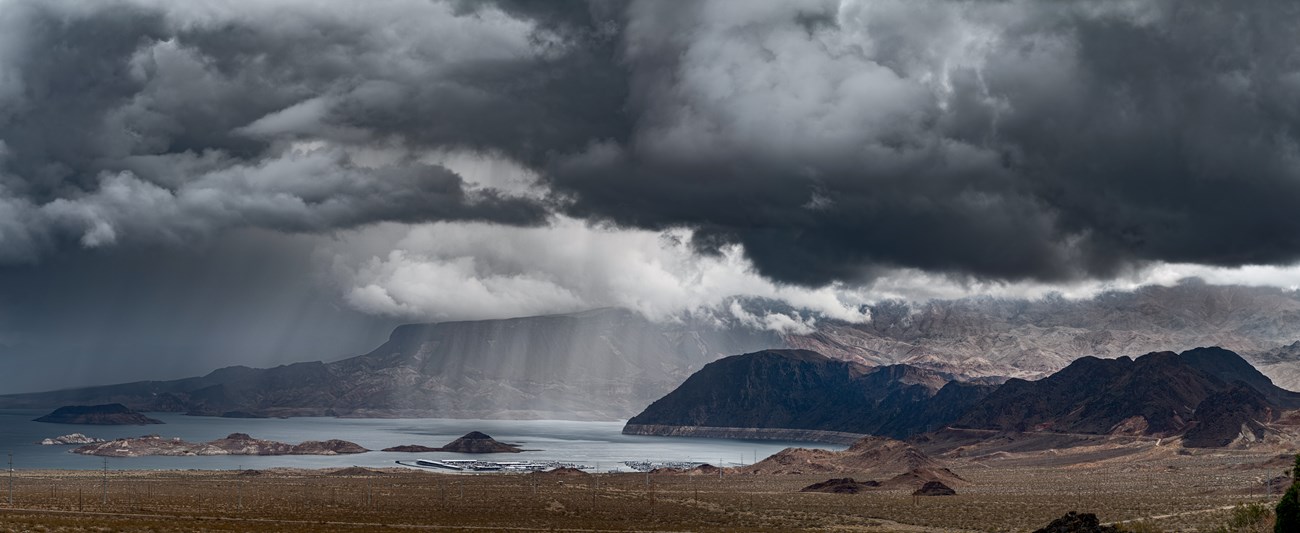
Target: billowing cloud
476, 270
1001, 140
153, 121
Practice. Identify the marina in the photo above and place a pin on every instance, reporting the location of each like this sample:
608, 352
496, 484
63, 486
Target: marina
474, 465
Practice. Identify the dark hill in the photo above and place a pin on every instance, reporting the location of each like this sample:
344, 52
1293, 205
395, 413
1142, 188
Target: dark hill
1230, 367
477, 442
799, 389
1159, 393
113, 414
934, 488
472, 442
1210, 395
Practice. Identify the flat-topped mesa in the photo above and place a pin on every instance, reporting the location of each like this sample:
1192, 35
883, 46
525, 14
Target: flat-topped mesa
112, 414
472, 442
596, 365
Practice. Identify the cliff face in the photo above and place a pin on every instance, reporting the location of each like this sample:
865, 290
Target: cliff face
802, 390
602, 364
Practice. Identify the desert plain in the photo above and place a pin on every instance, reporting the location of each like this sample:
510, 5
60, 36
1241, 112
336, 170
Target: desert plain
1008, 484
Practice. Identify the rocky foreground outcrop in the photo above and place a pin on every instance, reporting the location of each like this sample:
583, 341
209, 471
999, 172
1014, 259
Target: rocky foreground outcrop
898, 463
472, 442
112, 414
233, 444
1074, 522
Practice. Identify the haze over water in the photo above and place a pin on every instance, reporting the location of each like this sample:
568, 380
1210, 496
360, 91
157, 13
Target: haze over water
591, 443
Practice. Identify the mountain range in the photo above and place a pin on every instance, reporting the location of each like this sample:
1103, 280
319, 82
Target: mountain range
986, 336
1208, 396
612, 363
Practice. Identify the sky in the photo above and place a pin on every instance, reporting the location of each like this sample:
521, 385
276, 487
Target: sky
186, 185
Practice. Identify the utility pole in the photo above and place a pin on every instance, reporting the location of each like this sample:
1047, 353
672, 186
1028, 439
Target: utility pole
11, 479
105, 498
652, 501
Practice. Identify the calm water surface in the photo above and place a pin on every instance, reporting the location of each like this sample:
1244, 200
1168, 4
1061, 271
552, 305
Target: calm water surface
593, 443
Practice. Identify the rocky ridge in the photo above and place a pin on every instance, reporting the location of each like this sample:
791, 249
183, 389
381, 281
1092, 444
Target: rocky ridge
1210, 397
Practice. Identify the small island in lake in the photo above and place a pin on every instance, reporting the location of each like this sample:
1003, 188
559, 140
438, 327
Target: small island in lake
112, 414
472, 442
71, 438
233, 444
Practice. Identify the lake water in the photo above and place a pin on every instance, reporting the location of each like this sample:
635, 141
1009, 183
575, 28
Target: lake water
597, 444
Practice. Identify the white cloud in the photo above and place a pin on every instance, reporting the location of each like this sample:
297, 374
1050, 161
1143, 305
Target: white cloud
445, 271
462, 271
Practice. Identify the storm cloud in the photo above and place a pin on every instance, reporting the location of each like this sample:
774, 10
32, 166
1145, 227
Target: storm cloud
199, 183
829, 141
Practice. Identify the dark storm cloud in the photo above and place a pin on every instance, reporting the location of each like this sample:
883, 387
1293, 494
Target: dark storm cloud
998, 140
124, 121
995, 140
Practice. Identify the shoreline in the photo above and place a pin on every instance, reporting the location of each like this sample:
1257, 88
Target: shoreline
741, 433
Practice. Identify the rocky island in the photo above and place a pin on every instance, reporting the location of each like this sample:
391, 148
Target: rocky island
233, 444
71, 438
112, 414
472, 442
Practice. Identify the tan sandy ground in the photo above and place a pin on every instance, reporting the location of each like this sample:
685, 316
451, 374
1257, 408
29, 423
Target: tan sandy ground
1007, 492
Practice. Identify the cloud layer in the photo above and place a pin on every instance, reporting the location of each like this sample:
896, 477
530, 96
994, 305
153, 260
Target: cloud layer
524, 157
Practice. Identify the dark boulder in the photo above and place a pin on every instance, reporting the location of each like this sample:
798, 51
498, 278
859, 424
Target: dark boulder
845, 485
934, 488
1074, 522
